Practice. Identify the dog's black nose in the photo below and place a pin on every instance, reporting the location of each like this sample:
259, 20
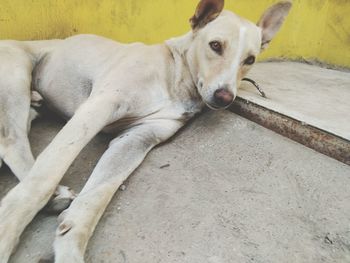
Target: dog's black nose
223, 97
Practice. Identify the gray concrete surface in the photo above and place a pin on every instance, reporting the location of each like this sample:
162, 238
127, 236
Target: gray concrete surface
313, 95
233, 192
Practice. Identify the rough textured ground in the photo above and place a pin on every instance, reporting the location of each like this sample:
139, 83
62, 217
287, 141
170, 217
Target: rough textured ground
313, 95
233, 192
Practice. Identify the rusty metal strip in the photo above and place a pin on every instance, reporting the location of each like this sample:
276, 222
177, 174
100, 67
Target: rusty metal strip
312, 137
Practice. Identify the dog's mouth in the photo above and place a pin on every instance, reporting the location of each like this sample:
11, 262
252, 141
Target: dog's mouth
215, 107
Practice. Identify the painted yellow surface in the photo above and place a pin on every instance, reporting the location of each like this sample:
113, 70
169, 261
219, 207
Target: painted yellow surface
316, 29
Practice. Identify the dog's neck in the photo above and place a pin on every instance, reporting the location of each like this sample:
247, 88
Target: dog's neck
184, 79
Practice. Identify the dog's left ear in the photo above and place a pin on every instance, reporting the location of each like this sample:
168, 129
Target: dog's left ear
207, 10
272, 20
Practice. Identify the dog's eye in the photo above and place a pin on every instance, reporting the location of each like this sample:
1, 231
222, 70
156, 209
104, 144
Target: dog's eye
216, 46
250, 60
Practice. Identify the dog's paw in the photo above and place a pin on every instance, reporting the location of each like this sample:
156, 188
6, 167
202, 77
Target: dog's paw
60, 201
36, 100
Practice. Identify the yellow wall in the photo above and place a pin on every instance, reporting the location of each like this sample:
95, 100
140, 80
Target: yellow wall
316, 28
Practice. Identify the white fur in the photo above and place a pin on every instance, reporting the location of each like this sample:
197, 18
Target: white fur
143, 93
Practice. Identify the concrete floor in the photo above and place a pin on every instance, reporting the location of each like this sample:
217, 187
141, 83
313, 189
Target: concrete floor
313, 95
233, 192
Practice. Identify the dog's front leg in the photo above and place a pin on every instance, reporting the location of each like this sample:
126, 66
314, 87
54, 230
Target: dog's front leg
23, 202
124, 155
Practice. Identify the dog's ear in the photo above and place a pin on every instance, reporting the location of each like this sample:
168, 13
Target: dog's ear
272, 20
207, 10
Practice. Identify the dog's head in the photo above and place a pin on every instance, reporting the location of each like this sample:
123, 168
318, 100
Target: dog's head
225, 46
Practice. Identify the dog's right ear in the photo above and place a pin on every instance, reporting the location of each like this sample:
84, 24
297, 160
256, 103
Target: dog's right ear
207, 10
272, 20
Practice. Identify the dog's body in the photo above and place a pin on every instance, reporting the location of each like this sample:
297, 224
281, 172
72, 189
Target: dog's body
145, 92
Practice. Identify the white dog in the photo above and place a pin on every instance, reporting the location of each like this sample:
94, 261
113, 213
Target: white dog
145, 92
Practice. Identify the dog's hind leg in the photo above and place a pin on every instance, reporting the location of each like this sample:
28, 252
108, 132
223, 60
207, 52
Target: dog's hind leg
23, 202
15, 81
16, 152
16, 116
123, 156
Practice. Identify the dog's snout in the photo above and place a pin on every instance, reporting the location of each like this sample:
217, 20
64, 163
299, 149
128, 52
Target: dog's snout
223, 97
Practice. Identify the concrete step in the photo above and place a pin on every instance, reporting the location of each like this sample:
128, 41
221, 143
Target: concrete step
306, 103
224, 190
